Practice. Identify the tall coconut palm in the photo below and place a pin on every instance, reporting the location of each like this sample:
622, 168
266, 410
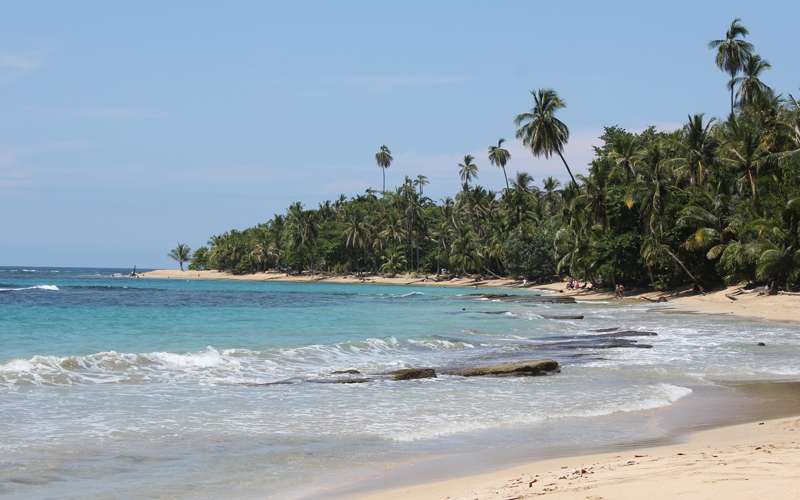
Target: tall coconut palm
732, 52
467, 170
421, 181
384, 160
181, 253
499, 156
751, 88
541, 131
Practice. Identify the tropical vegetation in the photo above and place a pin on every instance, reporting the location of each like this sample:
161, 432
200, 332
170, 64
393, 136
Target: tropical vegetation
716, 201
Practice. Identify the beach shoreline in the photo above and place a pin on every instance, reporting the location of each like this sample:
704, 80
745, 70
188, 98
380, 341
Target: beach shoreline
784, 308
745, 461
754, 441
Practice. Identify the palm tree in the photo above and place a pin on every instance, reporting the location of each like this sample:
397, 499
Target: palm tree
499, 157
421, 181
751, 88
384, 160
746, 153
540, 130
700, 147
626, 151
732, 52
181, 253
467, 170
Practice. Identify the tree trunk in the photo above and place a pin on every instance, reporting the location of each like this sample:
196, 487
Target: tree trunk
383, 171
732, 101
568, 169
506, 176
676, 259
753, 188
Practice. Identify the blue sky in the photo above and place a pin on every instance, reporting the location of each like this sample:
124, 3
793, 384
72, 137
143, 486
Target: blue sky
126, 127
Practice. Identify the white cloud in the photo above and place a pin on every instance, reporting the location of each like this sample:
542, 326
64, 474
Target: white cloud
13, 66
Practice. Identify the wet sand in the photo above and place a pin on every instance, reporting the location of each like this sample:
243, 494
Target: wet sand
708, 453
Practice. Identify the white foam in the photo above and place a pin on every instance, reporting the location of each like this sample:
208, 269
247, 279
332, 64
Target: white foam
35, 287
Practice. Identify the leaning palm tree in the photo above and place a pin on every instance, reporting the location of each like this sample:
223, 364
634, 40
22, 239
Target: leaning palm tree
181, 253
732, 52
467, 170
384, 159
751, 88
499, 156
540, 130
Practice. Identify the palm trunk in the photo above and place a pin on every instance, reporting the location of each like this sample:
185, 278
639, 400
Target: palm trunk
753, 188
685, 269
568, 169
506, 176
732, 101
383, 171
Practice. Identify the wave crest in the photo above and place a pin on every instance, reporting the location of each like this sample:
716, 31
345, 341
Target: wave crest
53, 288
225, 366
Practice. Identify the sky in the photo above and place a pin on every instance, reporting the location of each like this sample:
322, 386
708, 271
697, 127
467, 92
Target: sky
126, 127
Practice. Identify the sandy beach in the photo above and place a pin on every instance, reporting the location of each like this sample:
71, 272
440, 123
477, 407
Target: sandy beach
320, 278
729, 301
724, 302
748, 461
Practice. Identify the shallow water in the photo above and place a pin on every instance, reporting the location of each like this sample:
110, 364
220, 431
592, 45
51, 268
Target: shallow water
111, 386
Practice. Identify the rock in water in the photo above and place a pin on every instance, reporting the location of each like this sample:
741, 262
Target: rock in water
520, 368
413, 373
346, 372
556, 316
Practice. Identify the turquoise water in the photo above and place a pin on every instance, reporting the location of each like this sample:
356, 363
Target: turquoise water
115, 386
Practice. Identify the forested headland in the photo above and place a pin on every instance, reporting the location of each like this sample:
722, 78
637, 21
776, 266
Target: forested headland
716, 201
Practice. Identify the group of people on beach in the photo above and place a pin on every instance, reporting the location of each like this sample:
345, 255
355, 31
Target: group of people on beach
573, 284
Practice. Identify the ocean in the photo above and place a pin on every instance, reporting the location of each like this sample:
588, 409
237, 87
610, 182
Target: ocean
112, 386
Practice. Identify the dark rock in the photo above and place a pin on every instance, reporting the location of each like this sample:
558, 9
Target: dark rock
520, 368
595, 336
346, 372
603, 330
412, 373
761, 344
555, 316
536, 299
347, 380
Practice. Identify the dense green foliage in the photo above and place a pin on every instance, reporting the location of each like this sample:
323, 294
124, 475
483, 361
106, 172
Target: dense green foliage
716, 201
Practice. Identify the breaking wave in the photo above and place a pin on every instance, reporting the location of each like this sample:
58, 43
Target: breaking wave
224, 366
34, 287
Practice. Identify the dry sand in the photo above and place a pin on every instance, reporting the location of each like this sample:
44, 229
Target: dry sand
319, 278
750, 461
747, 305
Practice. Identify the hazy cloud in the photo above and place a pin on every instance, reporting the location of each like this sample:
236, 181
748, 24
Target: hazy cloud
13, 66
